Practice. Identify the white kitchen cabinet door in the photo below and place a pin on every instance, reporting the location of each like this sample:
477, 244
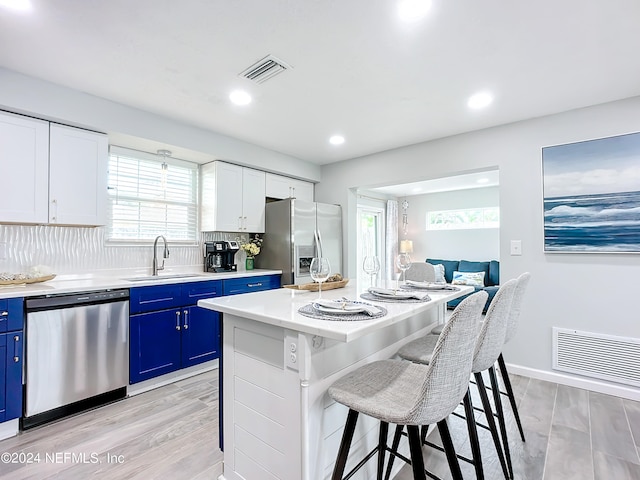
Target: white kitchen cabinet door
221, 193
24, 169
280, 186
253, 200
78, 164
232, 198
302, 190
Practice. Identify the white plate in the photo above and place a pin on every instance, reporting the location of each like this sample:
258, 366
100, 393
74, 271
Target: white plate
429, 286
343, 311
391, 294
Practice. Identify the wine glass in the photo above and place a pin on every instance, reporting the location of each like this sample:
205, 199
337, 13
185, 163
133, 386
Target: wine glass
403, 262
319, 271
371, 266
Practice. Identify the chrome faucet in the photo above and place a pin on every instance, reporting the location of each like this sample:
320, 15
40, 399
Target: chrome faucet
165, 254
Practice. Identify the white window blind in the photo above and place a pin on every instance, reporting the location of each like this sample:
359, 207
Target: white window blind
150, 196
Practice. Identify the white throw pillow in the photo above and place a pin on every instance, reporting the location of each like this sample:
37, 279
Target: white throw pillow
439, 271
473, 279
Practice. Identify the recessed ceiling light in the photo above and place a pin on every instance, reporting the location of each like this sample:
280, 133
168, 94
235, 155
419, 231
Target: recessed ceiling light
480, 100
413, 10
240, 97
336, 140
17, 5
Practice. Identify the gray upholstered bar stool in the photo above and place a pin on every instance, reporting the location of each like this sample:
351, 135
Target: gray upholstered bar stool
488, 347
512, 328
421, 272
405, 393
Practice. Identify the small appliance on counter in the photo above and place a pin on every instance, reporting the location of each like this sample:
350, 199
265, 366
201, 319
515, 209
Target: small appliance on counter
219, 256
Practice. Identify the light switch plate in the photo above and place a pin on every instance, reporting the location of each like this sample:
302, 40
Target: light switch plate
516, 247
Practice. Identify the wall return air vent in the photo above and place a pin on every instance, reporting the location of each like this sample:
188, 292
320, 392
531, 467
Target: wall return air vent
264, 69
606, 357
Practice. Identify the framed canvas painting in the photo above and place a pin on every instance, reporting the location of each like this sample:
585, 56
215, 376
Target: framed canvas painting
591, 196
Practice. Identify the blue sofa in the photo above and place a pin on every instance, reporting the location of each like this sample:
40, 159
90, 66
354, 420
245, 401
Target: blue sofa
491, 276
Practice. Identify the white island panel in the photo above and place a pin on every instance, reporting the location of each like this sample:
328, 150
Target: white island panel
279, 422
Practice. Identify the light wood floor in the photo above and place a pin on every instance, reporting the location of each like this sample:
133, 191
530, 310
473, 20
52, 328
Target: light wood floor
167, 433
172, 433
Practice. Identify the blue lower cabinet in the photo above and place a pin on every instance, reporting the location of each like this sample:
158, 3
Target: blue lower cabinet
236, 286
200, 336
11, 357
154, 343
162, 341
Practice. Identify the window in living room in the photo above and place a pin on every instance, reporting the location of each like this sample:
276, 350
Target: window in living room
488, 217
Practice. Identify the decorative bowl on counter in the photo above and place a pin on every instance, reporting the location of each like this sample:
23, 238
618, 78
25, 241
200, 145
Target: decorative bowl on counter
313, 286
22, 278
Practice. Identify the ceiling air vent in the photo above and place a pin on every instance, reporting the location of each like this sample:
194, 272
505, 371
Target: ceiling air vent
264, 69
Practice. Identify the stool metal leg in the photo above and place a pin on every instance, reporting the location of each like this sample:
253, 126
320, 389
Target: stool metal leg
345, 444
501, 423
512, 398
394, 447
415, 447
488, 413
450, 451
473, 436
382, 447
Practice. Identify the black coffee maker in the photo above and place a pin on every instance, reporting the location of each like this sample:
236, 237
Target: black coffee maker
219, 256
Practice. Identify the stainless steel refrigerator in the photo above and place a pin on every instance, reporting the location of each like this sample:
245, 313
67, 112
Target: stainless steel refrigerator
295, 232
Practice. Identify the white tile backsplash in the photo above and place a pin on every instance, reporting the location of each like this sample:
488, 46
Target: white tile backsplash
78, 250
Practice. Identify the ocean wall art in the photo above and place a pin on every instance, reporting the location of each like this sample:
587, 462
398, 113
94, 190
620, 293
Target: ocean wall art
591, 193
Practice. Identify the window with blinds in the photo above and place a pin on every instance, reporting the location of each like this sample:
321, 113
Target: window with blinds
151, 196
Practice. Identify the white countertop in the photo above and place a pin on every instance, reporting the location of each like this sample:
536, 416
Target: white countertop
118, 279
280, 308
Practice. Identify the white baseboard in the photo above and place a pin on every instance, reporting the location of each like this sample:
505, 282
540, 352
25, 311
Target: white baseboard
9, 428
598, 386
172, 377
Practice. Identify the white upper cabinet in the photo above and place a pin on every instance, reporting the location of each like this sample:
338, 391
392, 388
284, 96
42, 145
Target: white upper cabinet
78, 163
52, 173
233, 198
279, 186
24, 169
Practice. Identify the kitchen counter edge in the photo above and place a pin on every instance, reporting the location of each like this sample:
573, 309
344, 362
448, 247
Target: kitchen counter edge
89, 282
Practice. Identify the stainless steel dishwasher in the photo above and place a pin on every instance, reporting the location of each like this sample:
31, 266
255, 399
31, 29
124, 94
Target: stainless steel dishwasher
77, 353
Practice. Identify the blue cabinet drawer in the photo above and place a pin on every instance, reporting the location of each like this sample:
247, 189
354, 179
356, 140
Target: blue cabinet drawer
154, 297
11, 349
11, 314
235, 286
192, 292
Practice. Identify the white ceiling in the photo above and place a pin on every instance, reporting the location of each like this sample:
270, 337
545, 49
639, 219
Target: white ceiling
357, 69
466, 181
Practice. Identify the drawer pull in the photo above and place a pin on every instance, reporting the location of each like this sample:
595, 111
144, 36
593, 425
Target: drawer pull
16, 356
254, 285
4, 314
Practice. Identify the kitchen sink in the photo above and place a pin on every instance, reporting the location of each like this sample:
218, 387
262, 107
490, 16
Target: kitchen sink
146, 278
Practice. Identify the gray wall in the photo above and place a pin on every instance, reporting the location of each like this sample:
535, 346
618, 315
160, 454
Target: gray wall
593, 292
477, 244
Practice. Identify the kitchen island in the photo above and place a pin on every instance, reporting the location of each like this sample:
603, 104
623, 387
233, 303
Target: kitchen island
279, 422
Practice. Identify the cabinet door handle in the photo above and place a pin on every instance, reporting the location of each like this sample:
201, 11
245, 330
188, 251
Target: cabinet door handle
54, 203
4, 314
250, 285
186, 319
16, 353
178, 320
